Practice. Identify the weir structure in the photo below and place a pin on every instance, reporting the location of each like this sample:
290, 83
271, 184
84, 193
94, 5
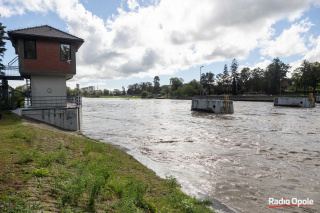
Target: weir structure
304, 102
47, 58
211, 105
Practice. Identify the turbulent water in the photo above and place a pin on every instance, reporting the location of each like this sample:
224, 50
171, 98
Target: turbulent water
242, 159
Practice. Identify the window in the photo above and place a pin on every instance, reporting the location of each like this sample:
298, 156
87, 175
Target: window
30, 51
65, 52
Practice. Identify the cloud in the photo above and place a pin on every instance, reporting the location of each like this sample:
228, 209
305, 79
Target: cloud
290, 42
167, 36
263, 64
132, 4
312, 55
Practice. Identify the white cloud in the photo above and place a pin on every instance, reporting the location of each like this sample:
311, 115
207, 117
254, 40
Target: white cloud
312, 55
132, 4
290, 42
169, 36
263, 64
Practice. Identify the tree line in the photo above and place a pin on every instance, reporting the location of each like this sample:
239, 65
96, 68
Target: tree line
272, 80
232, 80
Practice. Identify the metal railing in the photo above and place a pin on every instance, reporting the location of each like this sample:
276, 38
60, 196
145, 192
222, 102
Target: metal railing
11, 70
54, 101
13, 61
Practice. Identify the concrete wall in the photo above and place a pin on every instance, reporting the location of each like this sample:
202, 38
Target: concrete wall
294, 102
44, 90
48, 86
215, 106
65, 118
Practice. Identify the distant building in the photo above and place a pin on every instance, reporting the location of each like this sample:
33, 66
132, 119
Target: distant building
89, 88
285, 86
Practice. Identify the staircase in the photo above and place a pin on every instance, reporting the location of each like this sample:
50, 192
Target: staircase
11, 72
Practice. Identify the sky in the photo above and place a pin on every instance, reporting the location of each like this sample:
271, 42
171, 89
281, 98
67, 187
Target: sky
132, 41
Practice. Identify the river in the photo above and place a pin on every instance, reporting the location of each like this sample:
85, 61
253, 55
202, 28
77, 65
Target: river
241, 159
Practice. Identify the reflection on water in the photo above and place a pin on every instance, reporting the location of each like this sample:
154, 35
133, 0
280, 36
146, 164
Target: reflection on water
242, 159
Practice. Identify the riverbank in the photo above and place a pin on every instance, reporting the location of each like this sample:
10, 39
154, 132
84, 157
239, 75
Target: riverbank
42, 168
254, 98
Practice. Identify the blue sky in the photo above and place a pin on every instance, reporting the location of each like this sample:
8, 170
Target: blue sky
131, 41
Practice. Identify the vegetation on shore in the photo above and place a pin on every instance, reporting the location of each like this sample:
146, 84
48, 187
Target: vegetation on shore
53, 171
270, 81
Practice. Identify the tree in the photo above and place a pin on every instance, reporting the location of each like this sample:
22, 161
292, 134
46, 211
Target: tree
185, 91
315, 75
244, 78
144, 94
2, 45
207, 80
307, 76
219, 84
166, 89
106, 92
149, 87
226, 78
156, 85
196, 85
257, 80
176, 83
69, 91
276, 71
234, 75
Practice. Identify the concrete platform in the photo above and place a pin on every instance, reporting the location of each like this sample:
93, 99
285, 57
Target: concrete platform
65, 118
214, 106
295, 102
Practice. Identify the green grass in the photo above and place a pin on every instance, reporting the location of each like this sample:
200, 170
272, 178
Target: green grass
50, 171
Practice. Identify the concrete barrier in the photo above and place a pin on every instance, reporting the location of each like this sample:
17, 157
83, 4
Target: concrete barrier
295, 102
65, 118
210, 105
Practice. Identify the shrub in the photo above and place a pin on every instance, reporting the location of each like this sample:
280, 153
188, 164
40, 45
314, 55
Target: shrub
40, 172
144, 94
172, 182
18, 100
25, 157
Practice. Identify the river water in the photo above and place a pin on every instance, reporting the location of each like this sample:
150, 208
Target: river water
241, 159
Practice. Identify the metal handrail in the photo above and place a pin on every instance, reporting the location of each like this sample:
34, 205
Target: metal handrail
55, 101
13, 61
11, 71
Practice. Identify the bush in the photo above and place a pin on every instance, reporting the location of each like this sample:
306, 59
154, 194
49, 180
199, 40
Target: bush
18, 100
40, 172
25, 157
144, 94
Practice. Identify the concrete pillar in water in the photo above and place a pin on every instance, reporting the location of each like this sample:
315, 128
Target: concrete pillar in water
210, 105
304, 102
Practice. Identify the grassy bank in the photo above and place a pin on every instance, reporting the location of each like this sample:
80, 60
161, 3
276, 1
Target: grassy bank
53, 171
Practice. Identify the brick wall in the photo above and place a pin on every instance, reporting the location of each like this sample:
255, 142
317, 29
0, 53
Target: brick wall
48, 58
